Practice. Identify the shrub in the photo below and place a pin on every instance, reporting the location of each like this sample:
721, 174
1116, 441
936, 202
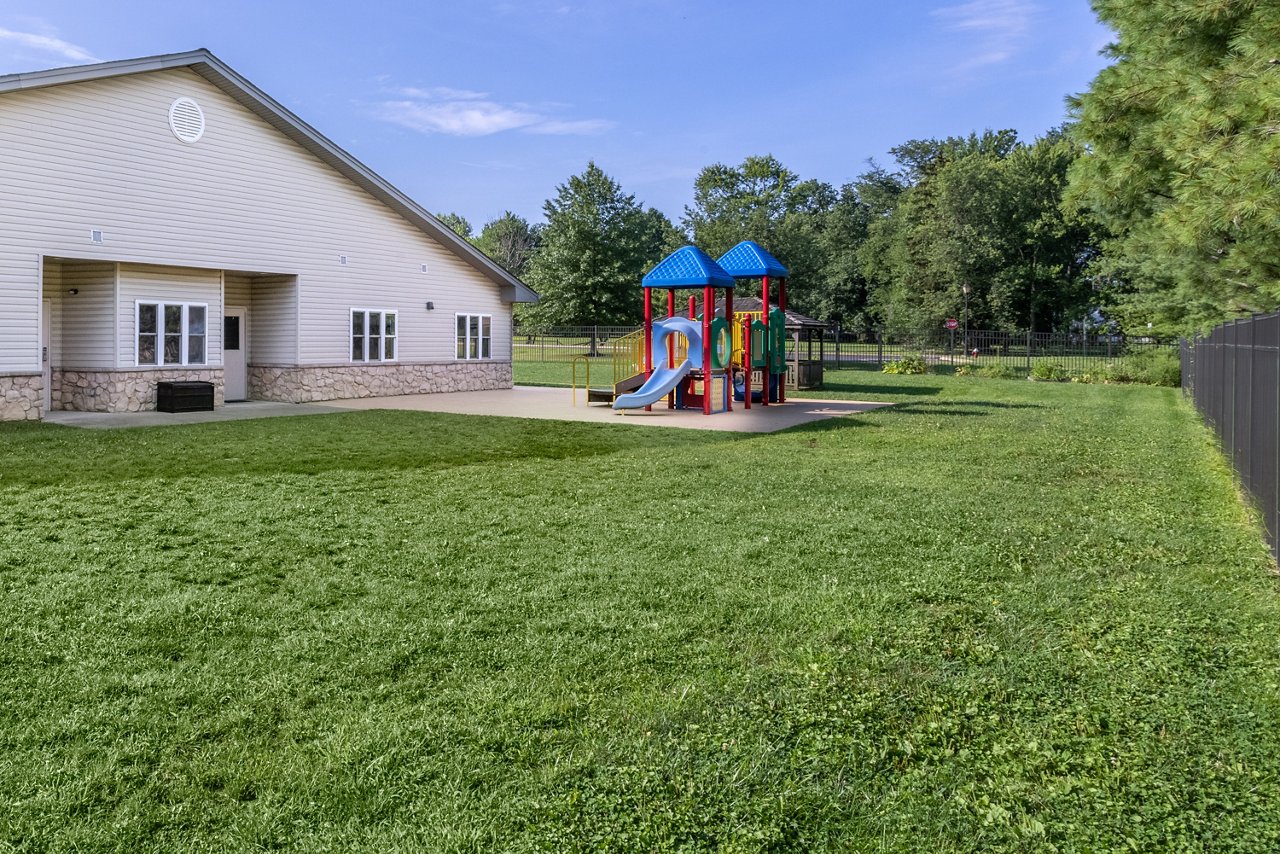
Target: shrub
914, 364
965, 370
1045, 371
998, 371
1149, 367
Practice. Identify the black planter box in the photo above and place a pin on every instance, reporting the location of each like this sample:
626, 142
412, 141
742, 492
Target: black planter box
184, 397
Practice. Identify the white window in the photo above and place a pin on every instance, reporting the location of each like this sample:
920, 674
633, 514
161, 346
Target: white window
373, 335
172, 333
473, 336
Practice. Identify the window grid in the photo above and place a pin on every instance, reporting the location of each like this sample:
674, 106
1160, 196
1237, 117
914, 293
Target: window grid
171, 333
474, 334
373, 335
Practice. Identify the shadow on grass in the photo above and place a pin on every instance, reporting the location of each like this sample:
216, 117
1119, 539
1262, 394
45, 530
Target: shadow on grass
46, 454
878, 389
956, 407
826, 425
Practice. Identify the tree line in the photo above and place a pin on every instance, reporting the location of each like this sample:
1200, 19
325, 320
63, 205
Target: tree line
1156, 207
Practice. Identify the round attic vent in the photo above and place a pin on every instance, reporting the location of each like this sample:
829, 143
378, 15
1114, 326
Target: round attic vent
186, 120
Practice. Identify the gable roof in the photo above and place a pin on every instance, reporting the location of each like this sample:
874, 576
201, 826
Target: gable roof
795, 320
221, 75
749, 260
687, 267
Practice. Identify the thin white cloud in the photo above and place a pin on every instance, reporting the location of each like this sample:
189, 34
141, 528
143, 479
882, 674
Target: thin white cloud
464, 112
982, 60
582, 127
442, 93
992, 31
1000, 18
457, 118
48, 45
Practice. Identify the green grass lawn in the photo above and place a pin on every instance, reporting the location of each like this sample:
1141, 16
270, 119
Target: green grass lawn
561, 373
999, 616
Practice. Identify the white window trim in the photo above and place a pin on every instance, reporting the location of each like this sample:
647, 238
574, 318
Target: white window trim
382, 335
184, 337
467, 349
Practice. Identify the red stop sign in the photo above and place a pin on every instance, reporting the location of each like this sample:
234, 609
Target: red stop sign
951, 323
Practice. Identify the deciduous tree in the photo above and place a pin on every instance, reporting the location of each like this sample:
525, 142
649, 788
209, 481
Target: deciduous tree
510, 241
457, 222
596, 246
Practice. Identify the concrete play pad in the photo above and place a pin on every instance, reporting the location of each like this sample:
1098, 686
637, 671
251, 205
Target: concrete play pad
557, 404
519, 402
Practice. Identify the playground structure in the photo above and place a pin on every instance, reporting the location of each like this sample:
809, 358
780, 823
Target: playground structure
704, 362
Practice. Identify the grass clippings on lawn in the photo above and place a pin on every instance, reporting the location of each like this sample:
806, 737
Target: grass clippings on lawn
999, 616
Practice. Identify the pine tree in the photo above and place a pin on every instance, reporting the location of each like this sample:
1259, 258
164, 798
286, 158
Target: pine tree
1184, 138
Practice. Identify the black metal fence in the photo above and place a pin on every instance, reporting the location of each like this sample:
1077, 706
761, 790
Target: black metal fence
565, 343
1233, 377
1077, 353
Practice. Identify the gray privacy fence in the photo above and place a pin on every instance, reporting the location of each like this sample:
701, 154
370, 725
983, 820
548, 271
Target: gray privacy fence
1233, 377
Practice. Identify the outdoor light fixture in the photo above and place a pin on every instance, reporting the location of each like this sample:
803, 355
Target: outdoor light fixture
73, 291
431, 306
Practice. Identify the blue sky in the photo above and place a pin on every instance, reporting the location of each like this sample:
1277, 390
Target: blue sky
481, 106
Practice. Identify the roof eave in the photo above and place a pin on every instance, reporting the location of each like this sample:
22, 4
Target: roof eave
221, 75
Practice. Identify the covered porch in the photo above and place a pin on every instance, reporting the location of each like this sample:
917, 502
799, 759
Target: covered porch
112, 331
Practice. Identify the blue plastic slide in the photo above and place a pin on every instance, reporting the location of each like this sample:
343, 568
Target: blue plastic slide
663, 380
660, 384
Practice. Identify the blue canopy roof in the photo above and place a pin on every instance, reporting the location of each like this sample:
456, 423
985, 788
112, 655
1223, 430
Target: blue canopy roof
688, 267
748, 260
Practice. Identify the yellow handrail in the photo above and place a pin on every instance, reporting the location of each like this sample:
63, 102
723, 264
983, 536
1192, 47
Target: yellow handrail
628, 355
573, 371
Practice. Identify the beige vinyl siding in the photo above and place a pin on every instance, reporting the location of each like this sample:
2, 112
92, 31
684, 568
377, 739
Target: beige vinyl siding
272, 303
100, 154
236, 290
87, 333
19, 304
168, 285
273, 321
54, 290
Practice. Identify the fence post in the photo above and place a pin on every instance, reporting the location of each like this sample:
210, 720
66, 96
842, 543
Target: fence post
880, 347
1028, 356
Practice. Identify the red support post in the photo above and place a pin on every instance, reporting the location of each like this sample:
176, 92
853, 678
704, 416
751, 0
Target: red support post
648, 338
728, 368
764, 316
782, 378
671, 353
708, 306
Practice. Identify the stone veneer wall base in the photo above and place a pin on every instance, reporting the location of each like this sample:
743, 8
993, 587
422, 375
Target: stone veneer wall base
339, 382
21, 397
123, 391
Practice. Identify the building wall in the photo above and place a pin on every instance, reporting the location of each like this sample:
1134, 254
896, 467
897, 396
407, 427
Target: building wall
87, 336
166, 284
99, 155
273, 321
21, 397
53, 291
336, 382
133, 390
